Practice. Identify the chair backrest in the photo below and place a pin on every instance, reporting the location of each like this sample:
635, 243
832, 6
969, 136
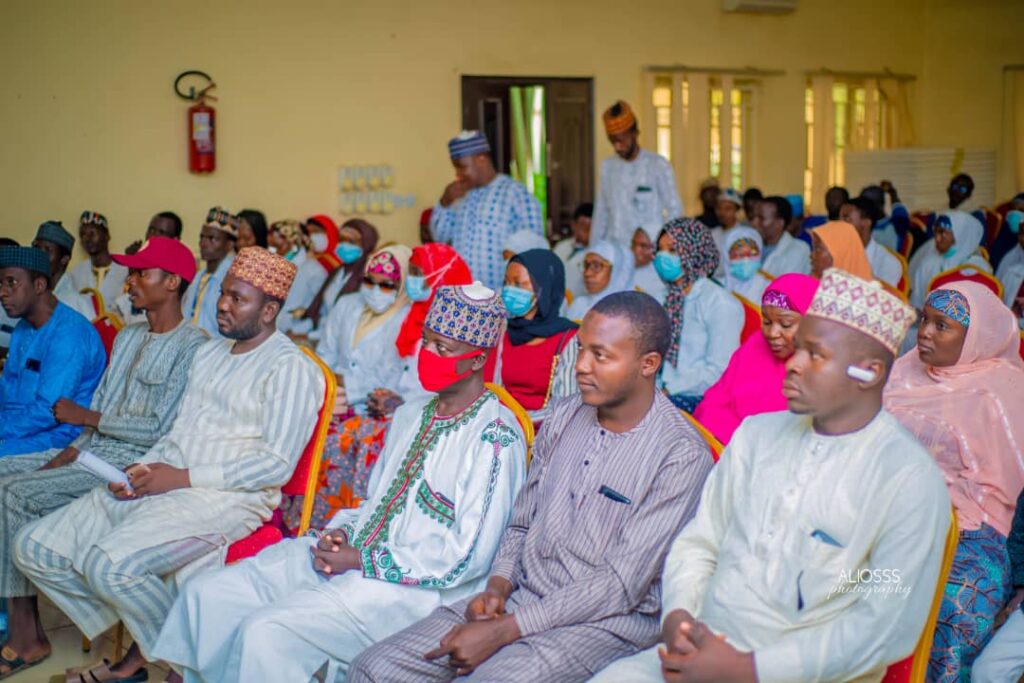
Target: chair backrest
108, 325
1022, 344
967, 272
713, 443
993, 223
751, 318
307, 469
914, 668
906, 244
523, 417
904, 282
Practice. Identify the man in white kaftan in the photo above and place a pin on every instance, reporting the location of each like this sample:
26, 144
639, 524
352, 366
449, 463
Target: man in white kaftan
439, 499
248, 410
815, 550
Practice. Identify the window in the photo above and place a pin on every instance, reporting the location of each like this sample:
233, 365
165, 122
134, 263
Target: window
661, 98
856, 115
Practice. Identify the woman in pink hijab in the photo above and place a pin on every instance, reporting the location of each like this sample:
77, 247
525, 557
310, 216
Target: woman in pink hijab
961, 393
752, 383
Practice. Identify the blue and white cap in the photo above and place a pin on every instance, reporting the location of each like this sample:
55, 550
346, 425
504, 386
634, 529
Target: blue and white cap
467, 143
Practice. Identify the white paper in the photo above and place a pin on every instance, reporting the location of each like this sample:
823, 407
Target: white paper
102, 469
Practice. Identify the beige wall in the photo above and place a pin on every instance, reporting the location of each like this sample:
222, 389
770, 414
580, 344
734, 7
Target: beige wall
90, 120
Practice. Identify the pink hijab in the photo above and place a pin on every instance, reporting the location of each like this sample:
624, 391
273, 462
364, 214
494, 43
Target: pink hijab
752, 383
970, 416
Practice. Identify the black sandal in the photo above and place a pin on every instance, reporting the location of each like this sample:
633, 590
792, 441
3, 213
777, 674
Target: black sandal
15, 663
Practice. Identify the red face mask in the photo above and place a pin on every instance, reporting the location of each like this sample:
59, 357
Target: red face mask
439, 372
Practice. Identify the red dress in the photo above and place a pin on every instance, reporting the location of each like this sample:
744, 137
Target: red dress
526, 369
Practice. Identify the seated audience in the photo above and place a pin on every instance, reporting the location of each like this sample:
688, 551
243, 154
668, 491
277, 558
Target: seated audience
764, 584
752, 383
751, 197
1003, 658
288, 239
863, 214
358, 339
242, 424
354, 443
58, 244
616, 473
7, 323
538, 351
957, 237
961, 393
459, 455
835, 197
135, 404
706, 319
728, 211
891, 228
1008, 237
645, 277
783, 253
164, 224
521, 241
217, 249
607, 269
743, 276
55, 353
98, 272
572, 249
252, 229
357, 240
838, 245
1011, 268
709, 194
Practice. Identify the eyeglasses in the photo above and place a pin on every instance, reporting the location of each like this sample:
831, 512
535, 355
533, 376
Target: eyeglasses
643, 246
595, 266
386, 285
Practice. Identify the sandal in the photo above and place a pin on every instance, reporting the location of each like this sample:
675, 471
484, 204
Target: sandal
101, 673
15, 663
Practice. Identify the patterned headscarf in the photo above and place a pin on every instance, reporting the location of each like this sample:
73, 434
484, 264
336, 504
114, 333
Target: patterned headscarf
384, 263
951, 303
291, 230
699, 254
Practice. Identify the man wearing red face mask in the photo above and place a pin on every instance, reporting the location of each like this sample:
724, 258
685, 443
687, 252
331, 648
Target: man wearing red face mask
437, 504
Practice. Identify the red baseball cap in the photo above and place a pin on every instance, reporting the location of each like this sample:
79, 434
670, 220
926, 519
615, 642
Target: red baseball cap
164, 253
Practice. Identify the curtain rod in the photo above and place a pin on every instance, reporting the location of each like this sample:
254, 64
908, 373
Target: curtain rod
748, 71
885, 73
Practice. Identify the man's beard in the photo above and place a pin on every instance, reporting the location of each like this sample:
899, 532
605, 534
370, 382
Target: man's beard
244, 331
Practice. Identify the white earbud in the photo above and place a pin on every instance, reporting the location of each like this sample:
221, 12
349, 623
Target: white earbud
860, 374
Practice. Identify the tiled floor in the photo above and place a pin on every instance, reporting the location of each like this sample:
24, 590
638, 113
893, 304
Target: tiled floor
66, 640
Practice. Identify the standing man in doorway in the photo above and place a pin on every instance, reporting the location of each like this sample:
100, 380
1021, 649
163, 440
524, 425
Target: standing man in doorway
481, 208
637, 187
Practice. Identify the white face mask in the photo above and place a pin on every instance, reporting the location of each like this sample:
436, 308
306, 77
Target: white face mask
319, 241
377, 299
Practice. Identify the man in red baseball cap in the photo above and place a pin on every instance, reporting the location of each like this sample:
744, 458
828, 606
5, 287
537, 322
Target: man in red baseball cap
134, 406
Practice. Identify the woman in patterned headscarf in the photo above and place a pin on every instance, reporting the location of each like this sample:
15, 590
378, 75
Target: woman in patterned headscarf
961, 394
288, 239
706, 319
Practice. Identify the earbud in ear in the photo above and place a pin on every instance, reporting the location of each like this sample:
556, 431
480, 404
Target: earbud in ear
860, 374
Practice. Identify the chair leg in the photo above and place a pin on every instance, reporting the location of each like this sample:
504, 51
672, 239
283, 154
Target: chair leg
86, 644
119, 642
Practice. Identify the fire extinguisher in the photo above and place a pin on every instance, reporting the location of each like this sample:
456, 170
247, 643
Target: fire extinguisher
202, 149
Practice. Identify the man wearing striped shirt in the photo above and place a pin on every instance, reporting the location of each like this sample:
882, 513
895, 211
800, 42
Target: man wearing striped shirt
248, 410
616, 473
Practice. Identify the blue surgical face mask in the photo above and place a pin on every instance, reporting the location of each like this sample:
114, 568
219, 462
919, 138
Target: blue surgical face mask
744, 268
517, 300
348, 253
669, 265
416, 287
377, 299
1013, 221
950, 253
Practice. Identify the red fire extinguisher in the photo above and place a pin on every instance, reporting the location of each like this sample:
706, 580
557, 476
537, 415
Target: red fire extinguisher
202, 149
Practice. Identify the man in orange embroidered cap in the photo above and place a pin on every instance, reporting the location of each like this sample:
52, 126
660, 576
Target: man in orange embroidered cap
216, 247
638, 188
247, 412
816, 547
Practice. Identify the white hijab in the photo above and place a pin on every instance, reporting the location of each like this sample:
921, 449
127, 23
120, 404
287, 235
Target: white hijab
621, 279
928, 262
525, 240
751, 289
